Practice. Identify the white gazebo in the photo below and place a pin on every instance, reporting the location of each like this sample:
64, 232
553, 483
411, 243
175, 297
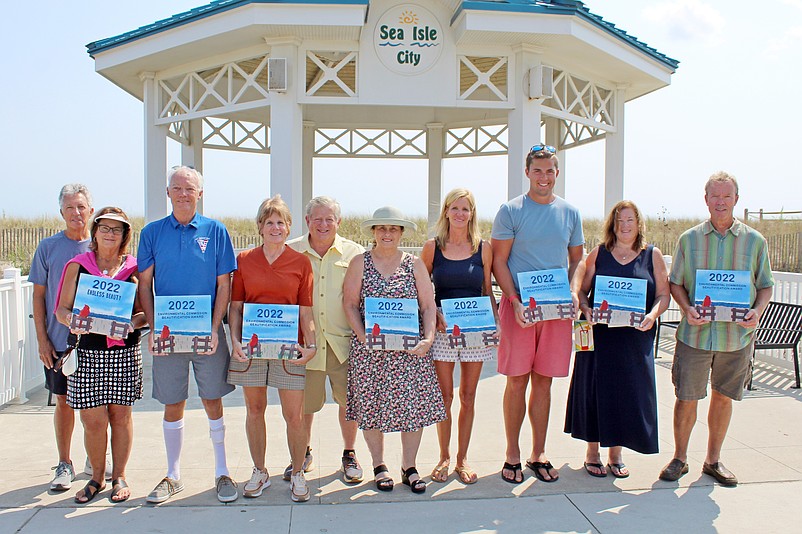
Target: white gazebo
300, 79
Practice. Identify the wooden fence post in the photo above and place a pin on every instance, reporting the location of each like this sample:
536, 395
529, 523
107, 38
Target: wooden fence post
799, 252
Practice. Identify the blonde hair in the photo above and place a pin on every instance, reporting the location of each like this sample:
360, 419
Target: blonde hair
611, 224
721, 177
443, 225
272, 205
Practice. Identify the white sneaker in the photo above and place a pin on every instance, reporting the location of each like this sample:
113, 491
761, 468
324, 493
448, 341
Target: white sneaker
109, 469
299, 491
259, 482
65, 474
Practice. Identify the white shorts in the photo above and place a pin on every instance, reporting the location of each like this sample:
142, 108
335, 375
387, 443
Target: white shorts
442, 351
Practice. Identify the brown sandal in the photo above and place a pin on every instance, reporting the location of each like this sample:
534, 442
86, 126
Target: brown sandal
466, 474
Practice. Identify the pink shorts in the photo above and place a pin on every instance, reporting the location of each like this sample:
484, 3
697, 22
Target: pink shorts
544, 348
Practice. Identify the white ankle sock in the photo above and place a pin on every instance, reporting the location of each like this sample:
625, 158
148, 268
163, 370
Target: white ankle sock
173, 440
217, 431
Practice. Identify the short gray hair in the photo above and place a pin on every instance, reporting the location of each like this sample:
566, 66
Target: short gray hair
74, 189
326, 202
720, 177
186, 168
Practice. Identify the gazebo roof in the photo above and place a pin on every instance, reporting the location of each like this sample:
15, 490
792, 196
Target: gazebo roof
552, 7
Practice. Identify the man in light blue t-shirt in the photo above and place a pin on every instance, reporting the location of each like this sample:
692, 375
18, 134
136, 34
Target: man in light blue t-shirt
532, 232
75, 206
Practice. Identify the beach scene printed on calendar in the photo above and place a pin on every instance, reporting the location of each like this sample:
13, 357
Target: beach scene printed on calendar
270, 331
103, 306
391, 324
723, 295
183, 323
546, 295
619, 301
470, 322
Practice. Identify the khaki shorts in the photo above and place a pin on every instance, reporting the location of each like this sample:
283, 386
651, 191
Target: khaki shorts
728, 372
279, 374
315, 392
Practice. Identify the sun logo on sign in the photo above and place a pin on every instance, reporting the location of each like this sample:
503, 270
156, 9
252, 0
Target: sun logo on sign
408, 17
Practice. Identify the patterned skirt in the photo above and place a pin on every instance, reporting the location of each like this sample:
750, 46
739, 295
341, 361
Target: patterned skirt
110, 376
392, 391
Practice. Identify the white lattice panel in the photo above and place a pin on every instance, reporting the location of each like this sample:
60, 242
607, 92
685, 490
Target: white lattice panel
373, 143
476, 141
231, 87
228, 134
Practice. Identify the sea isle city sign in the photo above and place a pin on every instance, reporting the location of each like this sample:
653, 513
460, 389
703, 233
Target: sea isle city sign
407, 39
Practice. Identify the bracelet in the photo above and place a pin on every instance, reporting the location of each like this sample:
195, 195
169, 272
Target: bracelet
311, 346
514, 297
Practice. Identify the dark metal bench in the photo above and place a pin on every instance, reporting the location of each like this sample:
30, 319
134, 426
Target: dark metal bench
667, 323
780, 328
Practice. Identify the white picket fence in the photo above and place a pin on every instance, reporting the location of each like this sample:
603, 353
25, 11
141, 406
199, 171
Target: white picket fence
19, 362
22, 370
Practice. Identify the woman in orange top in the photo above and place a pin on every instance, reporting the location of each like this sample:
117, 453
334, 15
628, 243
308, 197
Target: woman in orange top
273, 274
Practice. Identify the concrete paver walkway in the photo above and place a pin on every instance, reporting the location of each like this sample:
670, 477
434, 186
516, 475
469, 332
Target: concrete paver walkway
764, 448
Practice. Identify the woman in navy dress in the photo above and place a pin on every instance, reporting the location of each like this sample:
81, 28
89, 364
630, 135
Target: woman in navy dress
612, 401
460, 264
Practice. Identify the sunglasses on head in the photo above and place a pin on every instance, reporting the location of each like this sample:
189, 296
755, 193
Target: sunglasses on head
543, 148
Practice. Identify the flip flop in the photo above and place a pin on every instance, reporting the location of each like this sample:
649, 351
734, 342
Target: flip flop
620, 468
440, 472
91, 490
466, 474
600, 467
537, 466
516, 469
118, 484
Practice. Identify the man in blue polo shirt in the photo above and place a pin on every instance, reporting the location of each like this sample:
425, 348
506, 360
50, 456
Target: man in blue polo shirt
187, 254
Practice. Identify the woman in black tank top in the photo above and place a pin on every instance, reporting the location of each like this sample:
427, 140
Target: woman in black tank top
460, 264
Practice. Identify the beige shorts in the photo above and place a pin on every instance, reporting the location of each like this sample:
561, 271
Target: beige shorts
315, 391
728, 372
279, 374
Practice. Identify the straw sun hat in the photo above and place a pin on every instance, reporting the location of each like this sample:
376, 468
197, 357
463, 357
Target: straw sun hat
388, 215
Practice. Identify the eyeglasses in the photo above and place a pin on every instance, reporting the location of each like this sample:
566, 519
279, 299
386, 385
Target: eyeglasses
543, 148
105, 229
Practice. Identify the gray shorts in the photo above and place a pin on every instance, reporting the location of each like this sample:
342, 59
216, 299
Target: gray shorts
171, 374
728, 372
279, 374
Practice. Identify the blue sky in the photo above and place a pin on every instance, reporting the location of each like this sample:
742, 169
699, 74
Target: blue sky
732, 105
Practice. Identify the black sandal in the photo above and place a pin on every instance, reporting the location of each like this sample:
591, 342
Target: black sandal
546, 466
88, 493
383, 484
515, 468
418, 485
117, 485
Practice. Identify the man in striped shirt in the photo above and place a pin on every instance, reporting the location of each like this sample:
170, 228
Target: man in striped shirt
720, 350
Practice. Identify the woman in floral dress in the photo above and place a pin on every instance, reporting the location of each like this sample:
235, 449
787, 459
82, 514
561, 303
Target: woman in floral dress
391, 390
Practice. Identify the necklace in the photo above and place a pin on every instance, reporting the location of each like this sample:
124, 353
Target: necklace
114, 267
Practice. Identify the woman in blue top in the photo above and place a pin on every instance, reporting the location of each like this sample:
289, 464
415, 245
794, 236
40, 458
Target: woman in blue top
460, 264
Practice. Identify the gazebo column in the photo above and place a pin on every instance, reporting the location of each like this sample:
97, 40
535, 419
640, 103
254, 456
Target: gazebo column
614, 156
523, 120
155, 152
192, 153
287, 136
434, 150
308, 162
554, 137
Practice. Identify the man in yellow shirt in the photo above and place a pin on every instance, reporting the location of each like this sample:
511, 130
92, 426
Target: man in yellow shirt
330, 255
